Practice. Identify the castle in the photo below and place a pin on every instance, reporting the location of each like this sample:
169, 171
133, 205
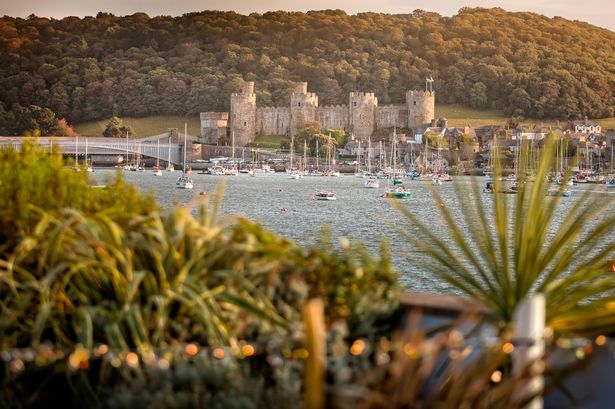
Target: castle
360, 117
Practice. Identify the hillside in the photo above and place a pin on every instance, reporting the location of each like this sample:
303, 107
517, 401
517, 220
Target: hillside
135, 66
147, 126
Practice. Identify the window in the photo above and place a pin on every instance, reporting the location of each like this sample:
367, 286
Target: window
298, 104
245, 124
414, 102
355, 104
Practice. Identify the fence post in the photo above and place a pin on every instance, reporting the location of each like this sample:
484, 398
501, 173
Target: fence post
529, 326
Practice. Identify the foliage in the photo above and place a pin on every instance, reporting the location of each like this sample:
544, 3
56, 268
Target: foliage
339, 136
30, 121
146, 126
32, 181
478, 95
435, 140
64, 129
508, 248
116, 129
132, 66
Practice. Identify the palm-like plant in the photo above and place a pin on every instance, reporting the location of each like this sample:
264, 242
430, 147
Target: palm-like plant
509, 248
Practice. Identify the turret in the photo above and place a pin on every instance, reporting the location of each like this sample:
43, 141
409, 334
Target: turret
302, 107
421, 108
243, 115
362, 114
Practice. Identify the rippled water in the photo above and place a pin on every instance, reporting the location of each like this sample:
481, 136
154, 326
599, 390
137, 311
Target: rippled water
359, 214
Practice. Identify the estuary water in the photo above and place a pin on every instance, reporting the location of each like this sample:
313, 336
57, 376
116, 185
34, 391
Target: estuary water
287, 207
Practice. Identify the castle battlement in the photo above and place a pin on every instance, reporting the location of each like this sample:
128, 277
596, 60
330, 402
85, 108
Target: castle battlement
242, 95
306, 95
391, 106
271, 109
418, 93
214, 116
363, 94
344, 106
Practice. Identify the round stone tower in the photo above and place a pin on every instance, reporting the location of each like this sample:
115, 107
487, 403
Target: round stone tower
421, 108
243, 115
362, 114
302, 107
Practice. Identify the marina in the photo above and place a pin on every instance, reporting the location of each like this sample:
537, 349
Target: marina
287, 206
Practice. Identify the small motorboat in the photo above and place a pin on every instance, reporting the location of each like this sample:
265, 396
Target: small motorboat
325, 196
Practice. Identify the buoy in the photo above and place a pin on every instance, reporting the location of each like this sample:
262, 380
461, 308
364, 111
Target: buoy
279, 190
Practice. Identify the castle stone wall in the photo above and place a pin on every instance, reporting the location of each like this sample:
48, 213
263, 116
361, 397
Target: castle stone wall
273, 121
334, 117
391, 115
362, 114
360, 117
421, 108
213, 126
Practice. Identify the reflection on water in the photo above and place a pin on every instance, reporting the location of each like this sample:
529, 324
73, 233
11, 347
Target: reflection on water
286, 206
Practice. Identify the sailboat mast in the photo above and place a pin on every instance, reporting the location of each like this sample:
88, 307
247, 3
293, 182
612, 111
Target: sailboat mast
292, 141
369, 155
76, 150
184, 164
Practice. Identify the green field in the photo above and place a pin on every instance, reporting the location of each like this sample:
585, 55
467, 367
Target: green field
269, 141
459, 115
147, 126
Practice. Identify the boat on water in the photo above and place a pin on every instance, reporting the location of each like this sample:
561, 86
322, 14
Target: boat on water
509, 189
395, 188
372, 183
156, 169
558, 191
184, 181
314, 172
325, 196
399, 192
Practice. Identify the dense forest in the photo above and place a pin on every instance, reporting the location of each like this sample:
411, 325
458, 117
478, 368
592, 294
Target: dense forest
96, 67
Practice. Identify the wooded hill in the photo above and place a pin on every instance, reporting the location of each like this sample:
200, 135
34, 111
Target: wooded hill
95, 67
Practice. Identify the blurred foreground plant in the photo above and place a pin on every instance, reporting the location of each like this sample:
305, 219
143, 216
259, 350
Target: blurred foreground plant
515, 245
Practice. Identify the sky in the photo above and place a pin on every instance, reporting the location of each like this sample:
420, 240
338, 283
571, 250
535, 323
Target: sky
597, 12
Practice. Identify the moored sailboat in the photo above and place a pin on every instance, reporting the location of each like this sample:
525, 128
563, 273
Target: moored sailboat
184, 182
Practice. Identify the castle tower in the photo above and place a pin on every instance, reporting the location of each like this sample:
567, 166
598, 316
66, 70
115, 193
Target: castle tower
362, 114
421, 108
302, 107
243, 115
213, 126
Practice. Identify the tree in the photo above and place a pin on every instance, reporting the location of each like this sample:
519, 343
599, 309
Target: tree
63, 129
115, 129
35, 120
478, 95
